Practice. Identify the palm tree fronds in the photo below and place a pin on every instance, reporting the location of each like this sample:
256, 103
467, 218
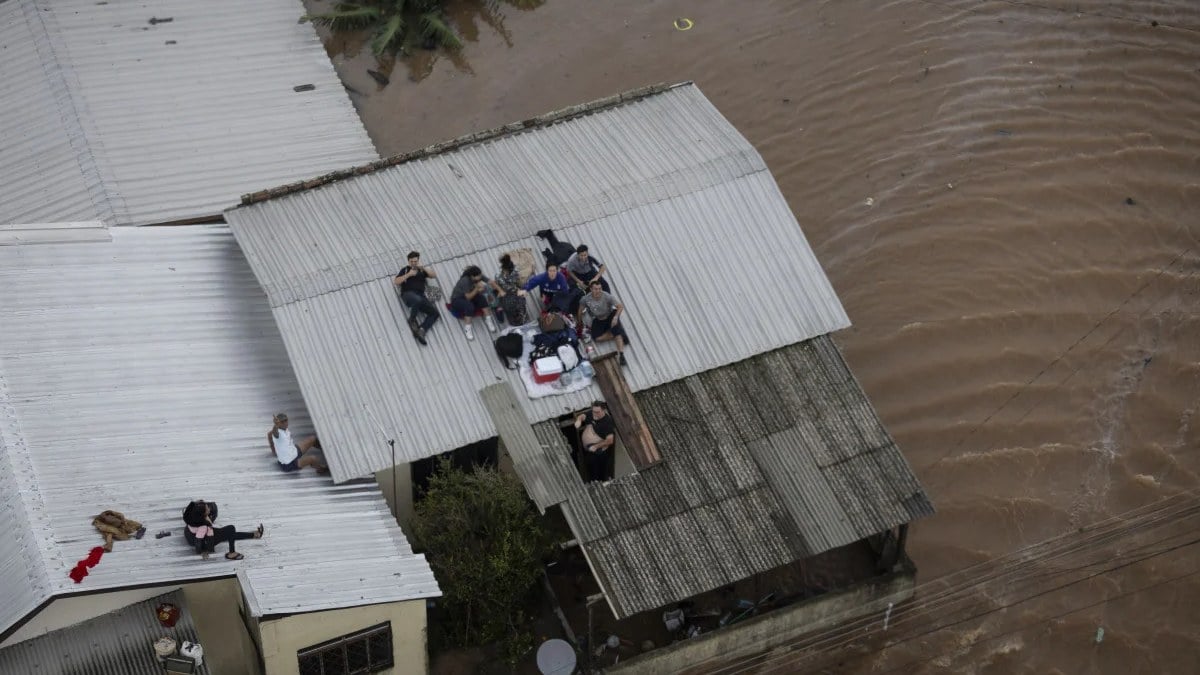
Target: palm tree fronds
345, 16
526, 4
389, 35
433, 27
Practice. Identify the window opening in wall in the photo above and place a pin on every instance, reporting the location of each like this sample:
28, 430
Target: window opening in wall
367, 651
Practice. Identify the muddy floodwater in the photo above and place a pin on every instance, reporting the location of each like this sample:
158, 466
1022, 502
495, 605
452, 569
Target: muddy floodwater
1006, 196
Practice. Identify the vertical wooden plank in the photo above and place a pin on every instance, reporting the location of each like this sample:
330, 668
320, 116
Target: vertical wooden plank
625, 411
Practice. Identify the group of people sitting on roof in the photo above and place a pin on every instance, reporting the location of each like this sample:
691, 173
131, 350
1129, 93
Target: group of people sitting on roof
573, 284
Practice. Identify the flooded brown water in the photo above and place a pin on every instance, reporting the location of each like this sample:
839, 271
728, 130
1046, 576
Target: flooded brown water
1005, 195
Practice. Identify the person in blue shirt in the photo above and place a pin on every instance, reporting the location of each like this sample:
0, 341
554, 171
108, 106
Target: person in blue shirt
549, 284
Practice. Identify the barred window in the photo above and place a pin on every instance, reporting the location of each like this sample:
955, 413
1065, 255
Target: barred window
366, 651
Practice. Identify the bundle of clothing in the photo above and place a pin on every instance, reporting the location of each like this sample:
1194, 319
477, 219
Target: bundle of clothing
114, 525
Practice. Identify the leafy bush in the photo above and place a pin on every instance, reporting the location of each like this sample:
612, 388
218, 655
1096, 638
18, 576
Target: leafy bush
486, 546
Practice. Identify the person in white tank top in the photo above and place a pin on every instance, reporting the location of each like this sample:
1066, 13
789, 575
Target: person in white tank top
290, 455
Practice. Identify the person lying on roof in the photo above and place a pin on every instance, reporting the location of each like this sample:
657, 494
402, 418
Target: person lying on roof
549, 284
606, 311
582, 268
470, 298
293, 457
411, 280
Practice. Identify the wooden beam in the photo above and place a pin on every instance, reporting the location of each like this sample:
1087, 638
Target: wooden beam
626, 412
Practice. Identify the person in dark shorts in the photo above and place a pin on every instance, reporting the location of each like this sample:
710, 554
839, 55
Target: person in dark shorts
294, 456
606, 311
470, 297
411, 280
597, 435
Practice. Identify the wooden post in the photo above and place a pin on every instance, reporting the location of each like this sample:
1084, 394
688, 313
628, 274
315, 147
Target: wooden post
625, 411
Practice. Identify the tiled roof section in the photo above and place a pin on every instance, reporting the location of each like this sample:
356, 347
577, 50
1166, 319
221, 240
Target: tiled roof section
117, 642
135, 113
661, 188
142, 373
766, 461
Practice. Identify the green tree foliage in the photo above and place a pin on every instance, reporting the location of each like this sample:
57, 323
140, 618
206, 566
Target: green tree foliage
486, 546
401, 25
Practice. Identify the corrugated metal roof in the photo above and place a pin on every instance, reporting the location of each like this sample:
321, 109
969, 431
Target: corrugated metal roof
47, 168
118, 642
663, 189
141, 373
766, 461
106, 115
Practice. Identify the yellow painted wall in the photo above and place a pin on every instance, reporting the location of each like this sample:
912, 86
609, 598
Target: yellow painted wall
282, 638
228, 648
403, 508
70, 611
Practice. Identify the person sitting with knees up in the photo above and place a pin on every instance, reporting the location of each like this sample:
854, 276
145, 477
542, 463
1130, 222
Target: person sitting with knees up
293, 457
470, 296
411, 281
202, 535
582, 268
511, 298
598, 434
606, 311
549, 284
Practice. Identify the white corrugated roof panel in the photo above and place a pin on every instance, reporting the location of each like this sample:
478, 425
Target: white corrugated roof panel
107, 115
141, 373
701, 246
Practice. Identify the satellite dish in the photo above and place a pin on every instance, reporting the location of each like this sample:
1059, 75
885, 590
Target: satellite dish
556, 657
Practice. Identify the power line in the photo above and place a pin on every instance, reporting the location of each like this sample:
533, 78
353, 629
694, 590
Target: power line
1170, 511
796, 659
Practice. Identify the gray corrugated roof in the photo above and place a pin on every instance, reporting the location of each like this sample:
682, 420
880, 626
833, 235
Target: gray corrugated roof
665, 191
48, 171
118, 642
106, 116
766, 461
141, 373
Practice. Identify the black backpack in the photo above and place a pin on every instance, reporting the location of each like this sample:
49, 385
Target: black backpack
509, 347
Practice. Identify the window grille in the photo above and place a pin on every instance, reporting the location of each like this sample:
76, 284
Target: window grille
366, 651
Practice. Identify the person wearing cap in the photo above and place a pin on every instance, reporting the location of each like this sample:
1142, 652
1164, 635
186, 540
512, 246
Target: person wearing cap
292, 456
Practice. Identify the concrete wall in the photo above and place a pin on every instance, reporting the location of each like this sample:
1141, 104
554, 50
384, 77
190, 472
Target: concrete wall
282, 638
402, 506
765, 632
65, 612
214, 606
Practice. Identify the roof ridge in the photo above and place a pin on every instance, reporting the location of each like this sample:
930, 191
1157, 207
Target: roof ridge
540, 121
70, 106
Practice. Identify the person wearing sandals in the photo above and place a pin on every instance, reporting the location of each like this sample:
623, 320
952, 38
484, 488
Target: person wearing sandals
202, 535
411, 281
294, 456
